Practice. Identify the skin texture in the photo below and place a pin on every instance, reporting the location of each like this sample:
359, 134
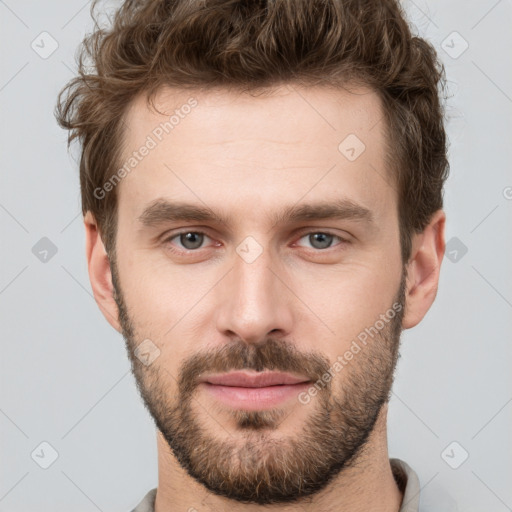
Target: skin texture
297, 307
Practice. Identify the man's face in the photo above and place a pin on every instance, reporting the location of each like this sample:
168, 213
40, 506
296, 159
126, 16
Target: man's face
253, 289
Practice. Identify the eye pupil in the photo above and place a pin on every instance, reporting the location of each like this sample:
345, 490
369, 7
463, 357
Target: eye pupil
324, 239
191, 240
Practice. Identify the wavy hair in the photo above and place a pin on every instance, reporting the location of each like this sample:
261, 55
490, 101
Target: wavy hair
256, 44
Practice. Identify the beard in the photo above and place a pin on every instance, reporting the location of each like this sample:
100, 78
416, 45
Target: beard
255, 464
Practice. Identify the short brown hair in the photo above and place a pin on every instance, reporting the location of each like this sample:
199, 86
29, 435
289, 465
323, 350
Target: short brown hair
253, 44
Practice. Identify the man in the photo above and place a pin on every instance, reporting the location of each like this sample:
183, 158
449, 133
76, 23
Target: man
260, 231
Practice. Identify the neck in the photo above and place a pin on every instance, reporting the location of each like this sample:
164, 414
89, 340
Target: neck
368, 485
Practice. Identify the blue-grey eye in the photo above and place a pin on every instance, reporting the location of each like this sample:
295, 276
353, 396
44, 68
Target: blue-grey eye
191, 240
320, 240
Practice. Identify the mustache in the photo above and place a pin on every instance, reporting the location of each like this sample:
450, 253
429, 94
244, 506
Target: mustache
273, 355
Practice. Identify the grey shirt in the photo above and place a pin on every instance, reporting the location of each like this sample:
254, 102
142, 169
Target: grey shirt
405, 477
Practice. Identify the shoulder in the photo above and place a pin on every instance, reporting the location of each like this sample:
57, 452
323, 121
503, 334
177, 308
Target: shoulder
433, 496
408, 482
148, 502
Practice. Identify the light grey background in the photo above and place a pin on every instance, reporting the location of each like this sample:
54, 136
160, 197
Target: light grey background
65, 376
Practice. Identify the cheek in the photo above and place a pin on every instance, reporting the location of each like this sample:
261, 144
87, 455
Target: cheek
160, 295
348, 301
164, 310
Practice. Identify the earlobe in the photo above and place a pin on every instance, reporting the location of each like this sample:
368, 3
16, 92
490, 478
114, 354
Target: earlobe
99, 272
423, 270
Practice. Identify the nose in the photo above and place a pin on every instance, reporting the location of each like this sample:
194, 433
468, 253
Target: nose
254, 301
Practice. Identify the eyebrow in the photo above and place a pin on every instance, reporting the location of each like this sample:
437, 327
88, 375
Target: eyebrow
161, 211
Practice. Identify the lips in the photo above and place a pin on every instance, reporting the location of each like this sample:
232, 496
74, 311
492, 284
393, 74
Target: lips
254, 380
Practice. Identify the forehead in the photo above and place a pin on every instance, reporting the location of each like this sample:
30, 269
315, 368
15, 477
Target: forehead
288, 113
222, 147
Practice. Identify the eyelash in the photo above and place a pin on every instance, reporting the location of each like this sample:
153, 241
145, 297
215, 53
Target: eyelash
168, 239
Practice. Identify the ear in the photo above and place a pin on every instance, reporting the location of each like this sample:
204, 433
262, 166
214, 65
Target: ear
100, 275
423, 270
